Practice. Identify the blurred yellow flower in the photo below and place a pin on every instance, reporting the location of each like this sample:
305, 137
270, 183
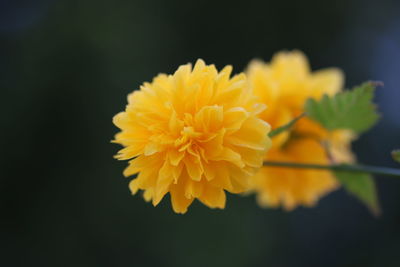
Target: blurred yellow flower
284, 85
193, 134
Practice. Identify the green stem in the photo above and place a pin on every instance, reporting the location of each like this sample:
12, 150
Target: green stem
287, 126
337, 167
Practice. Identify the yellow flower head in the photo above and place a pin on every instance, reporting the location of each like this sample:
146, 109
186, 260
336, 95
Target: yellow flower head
284, 85
193, 134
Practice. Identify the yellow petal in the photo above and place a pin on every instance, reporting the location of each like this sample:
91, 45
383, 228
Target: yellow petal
213, 197
327, 81
193, 167
234, 118
133, 186
129, 152
209, 118
148, 195
209, 171
251, 135
175, 124
175, 156
178, 200
240, 180
214, 146
165, 178
249, 157
291, 65
139, 163
193, 189
152, 148
222, 176
229, 155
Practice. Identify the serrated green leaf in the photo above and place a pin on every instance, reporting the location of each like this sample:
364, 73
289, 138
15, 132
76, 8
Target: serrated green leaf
396, 155
362, 186
285, 127
352, 109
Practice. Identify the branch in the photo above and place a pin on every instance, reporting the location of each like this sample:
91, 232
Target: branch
337, 167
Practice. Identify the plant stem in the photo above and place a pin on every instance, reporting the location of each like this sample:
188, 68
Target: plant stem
287, 126
337, 167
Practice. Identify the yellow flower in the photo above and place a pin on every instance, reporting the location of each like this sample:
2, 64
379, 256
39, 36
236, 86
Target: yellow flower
284, 85
193, 134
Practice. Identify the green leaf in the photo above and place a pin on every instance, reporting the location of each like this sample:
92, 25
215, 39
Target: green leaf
362, 186
285, 127
352, 109
396, 155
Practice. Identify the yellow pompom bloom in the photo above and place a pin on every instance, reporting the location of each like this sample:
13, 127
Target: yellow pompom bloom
284, 85
193, 134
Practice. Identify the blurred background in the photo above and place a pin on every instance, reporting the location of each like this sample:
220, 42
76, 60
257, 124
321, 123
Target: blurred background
66, 68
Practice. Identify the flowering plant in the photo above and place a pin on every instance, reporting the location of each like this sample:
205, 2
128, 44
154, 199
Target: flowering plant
199, 132
193, 134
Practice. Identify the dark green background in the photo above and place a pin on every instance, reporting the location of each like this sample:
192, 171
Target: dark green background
65, 70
